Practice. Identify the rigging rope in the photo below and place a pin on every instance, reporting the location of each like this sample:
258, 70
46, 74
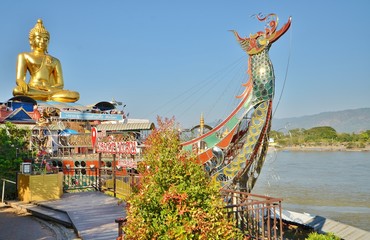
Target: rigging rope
202, 90
223, 74
286, 71
241, 68
189, 98
182, 94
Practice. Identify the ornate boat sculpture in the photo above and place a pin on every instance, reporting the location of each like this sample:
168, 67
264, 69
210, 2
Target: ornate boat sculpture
234, 151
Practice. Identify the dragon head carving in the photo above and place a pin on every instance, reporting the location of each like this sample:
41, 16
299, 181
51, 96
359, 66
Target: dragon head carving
257, 42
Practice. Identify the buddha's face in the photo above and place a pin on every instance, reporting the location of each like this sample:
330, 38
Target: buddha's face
40, 41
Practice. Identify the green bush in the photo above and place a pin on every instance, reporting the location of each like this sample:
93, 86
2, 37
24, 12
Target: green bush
175, 200
321, 136
13, 148
317, 236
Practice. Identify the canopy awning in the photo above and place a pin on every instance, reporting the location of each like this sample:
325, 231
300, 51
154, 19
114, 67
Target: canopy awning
68, 132
63, 106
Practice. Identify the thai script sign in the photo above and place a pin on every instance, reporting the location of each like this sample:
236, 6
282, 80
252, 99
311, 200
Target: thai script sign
124, 147
128, 163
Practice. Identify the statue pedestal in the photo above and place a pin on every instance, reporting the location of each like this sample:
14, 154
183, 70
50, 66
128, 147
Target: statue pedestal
40, 187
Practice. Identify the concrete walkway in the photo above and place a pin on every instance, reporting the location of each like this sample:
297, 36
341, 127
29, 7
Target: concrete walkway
11, 222
91, 214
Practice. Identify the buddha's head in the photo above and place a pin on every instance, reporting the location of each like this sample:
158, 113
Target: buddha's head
39, 37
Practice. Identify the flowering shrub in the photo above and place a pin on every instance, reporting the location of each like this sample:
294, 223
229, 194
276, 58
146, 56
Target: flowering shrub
175, 200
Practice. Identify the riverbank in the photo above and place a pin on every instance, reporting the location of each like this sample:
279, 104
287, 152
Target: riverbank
322, 148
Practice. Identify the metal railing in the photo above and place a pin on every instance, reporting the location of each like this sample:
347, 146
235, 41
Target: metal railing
103, 179
80, 178
126, 184
3, 191
257, 216
120, 184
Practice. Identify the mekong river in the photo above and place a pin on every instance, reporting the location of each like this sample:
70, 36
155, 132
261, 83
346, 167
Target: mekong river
335, 185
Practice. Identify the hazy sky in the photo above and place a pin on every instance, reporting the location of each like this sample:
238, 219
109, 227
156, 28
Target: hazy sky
177, 58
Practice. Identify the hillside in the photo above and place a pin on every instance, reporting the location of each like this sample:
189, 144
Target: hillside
346, 121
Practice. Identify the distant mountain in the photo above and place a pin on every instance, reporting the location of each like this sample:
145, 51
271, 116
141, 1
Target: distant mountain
346, 121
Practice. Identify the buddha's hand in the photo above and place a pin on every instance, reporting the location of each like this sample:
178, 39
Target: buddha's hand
22, 85
43, 88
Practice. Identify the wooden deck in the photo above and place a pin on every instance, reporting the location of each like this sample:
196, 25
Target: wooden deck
324, 225
91, 214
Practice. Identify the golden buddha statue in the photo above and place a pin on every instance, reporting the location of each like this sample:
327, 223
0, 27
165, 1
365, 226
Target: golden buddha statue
46, 78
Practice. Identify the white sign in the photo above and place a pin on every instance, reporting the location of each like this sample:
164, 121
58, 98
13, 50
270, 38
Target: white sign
125, 147
127, 163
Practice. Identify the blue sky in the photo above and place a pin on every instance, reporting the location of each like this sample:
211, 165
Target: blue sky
177, 58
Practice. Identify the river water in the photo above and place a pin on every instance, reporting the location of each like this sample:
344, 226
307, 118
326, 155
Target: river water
335, 185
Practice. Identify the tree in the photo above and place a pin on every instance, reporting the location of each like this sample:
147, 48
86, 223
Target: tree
13, 148
345, 137
319, 133
176, 199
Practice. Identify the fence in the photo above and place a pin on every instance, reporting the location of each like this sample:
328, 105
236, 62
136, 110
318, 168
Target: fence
80, 178
255, 215
119, 184
106, 179
3, 191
